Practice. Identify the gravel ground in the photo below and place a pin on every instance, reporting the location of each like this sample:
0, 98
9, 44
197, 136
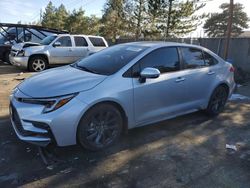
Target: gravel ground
189, 151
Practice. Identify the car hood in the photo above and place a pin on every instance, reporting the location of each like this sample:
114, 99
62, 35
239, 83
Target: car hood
20, 46
59, 81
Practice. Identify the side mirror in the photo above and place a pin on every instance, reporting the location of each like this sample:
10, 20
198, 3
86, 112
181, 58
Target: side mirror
56, 44
149, 73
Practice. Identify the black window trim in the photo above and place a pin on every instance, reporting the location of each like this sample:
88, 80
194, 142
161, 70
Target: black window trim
129, 72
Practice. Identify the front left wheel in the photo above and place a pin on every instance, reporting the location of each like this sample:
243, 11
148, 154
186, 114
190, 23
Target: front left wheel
100, 127
37, 64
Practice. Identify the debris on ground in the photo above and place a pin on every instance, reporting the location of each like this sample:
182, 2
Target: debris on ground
5, 82
28, 150
50, 167
232, 147
66, 171
235, 97
19, 79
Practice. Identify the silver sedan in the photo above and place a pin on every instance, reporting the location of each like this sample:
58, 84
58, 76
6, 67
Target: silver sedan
125, 86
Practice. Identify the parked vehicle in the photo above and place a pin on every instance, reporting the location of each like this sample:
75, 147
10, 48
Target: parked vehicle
55, 50
125, 86
15, 33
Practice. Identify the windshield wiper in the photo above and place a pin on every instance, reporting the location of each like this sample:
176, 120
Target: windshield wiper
84, 68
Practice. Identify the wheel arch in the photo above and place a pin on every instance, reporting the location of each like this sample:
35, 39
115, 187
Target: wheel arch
41, 55
116, 105
223, 84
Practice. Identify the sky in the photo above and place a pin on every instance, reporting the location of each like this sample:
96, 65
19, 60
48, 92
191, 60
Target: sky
26, 11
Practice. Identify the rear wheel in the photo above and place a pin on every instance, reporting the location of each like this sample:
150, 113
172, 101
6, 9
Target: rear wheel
37, 64
217, 101
100, 127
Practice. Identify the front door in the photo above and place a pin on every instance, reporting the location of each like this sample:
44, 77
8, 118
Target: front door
62, 54
164, 96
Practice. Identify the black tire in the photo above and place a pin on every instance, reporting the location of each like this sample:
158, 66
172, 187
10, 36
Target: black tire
217, 101
37, 64
100, 127
6, 58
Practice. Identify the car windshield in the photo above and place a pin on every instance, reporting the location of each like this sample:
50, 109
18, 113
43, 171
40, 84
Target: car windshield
110, 60
47, 40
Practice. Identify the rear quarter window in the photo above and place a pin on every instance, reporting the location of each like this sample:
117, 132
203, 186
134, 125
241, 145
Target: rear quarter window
98, 42
209, 59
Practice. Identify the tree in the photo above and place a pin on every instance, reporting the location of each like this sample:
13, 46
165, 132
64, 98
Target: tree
77, 22
216, 25
93, 25
113, 19
156, 10
137, 20
61, 15
49, 17
183, 19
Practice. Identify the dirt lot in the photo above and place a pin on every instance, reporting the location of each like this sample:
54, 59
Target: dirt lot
188, 151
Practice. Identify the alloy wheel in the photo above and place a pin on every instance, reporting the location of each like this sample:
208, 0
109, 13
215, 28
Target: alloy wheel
218, 100
38, 65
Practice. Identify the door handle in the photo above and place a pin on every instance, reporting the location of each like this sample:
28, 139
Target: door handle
70, 50
180, 79
211, 73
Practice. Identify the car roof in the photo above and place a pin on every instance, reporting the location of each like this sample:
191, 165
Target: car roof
161, 44
80, 35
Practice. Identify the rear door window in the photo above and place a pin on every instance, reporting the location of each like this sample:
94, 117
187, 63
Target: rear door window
80, 41
192, 58
97, 41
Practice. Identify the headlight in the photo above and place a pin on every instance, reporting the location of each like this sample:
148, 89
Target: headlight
21, 53
50, 104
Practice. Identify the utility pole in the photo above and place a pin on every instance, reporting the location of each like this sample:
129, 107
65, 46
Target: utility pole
169, 16
41, 16
229, 29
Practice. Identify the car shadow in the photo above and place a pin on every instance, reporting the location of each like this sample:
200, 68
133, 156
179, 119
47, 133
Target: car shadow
179, 142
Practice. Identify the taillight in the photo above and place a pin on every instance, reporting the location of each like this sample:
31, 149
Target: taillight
232, 69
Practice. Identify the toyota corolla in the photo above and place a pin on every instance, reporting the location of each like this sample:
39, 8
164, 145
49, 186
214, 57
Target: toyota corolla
92, 101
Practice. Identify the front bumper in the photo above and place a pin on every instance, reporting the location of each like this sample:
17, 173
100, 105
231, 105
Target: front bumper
19, 61
58, 127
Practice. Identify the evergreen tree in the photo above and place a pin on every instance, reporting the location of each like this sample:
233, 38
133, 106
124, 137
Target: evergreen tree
183, 19
113, 19
156, 10
77, 22
216, 24
61, 15
49, 17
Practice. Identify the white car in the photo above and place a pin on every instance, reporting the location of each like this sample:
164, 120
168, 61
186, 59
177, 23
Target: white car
55, 50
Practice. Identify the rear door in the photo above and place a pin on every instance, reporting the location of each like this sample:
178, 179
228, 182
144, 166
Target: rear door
81, 48
62, 54
199, 76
